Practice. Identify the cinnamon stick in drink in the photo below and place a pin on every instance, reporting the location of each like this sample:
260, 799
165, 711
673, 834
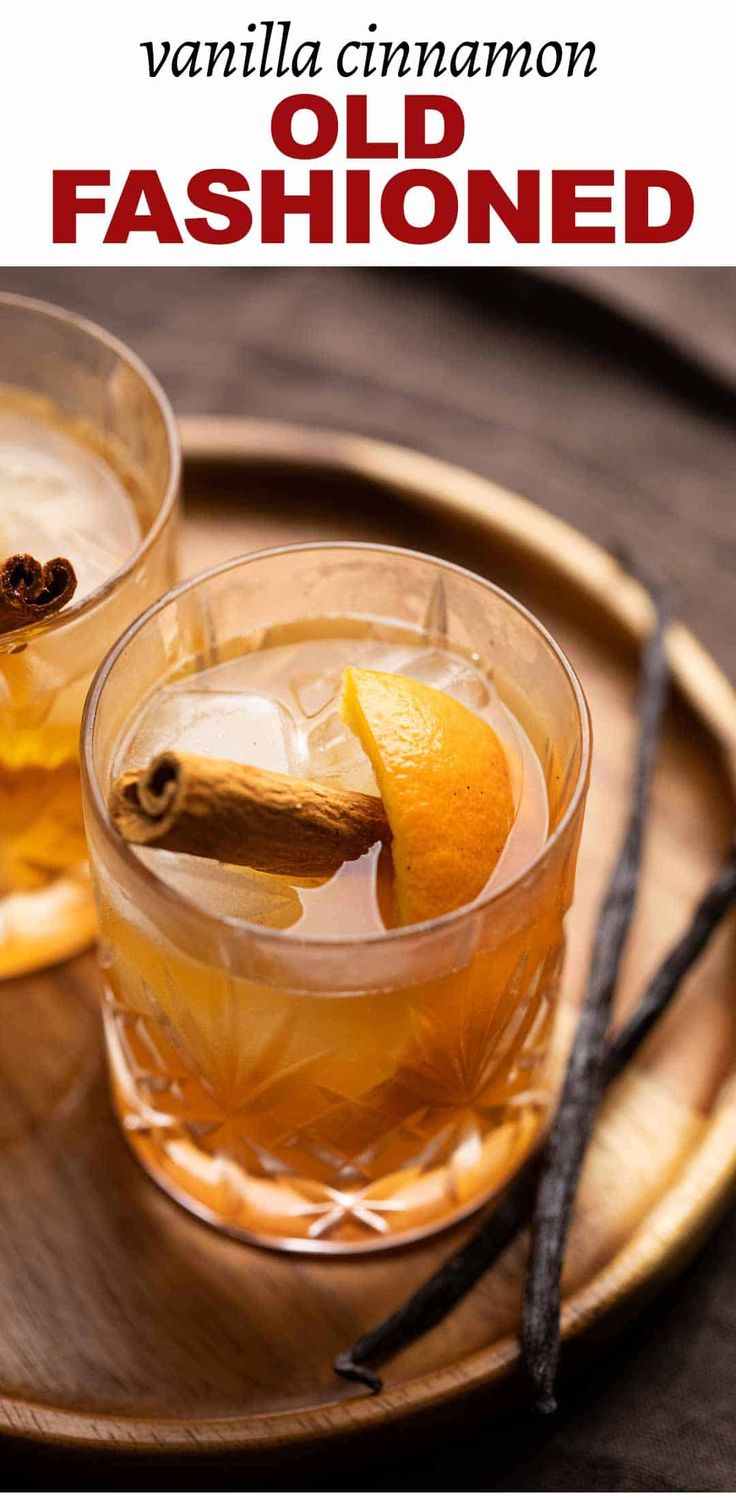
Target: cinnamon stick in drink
240, 815
30, 591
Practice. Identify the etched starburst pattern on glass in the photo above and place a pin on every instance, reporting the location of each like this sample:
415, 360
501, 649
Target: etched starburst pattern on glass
335, 1147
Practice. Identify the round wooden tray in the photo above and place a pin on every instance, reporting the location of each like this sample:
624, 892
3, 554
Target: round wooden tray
126, 1322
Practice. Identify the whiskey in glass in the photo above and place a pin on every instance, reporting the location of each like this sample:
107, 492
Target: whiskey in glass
286, 1059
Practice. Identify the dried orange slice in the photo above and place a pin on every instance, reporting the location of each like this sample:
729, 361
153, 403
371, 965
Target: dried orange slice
445, 783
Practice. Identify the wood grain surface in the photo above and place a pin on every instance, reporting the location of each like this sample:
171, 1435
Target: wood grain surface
587, 404
125, 1321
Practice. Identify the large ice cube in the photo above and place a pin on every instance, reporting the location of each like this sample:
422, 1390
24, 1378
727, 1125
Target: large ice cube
316, 691
227, 890
241, 726
334, 755
450, 674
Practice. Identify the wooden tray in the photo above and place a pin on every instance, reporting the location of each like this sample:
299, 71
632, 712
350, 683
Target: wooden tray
126, 1322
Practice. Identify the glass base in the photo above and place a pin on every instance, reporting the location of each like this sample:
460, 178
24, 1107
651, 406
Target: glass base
43, 927
300, 1244
283, 1211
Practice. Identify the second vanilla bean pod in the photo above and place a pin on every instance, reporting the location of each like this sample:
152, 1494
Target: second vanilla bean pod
711, 907
585, 1076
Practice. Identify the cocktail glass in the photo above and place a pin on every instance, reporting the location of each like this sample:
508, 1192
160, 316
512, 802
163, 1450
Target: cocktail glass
330, 1092
89, 469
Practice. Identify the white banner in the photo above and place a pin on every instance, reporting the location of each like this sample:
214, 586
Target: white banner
516, 133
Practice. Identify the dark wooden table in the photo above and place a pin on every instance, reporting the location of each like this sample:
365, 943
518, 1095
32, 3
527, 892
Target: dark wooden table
610, 397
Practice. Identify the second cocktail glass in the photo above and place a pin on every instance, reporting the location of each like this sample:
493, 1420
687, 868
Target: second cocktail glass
89, 468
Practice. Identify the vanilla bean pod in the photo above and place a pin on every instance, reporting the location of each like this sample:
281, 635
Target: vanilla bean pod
585, 1076
711, 907
447, 1286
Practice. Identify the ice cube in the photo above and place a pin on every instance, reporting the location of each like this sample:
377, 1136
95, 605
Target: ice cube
452, 675
227, 890
334, 755
241, 726
314, 692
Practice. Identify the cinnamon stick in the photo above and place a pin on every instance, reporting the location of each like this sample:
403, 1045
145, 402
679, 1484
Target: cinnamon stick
218, 809
30, 591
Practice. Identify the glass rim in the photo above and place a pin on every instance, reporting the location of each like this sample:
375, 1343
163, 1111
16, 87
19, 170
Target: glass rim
127, 356
287, 938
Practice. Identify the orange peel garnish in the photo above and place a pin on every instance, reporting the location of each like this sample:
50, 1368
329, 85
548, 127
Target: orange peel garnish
444, 779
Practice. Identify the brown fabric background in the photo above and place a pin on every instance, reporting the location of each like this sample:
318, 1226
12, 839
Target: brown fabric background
610, 397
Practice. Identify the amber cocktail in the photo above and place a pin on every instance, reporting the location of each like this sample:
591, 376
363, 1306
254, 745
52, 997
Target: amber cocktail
89, 469
287, 1059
